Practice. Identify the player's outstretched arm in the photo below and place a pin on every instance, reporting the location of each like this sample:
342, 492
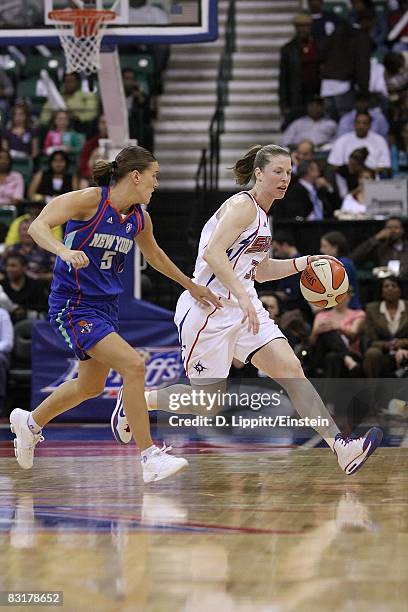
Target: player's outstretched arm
157, 258
274, 269
80, 205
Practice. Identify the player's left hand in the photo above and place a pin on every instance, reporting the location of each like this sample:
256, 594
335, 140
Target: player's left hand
204, 296
313, 258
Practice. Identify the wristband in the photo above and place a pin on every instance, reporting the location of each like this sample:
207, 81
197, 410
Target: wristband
300, 263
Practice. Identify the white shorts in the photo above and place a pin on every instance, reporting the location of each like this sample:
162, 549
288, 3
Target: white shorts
210, 338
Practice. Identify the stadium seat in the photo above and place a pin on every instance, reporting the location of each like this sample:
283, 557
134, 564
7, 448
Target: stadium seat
19, 374
27, 88
25, 166
380, 6
339, 8
36, 63
142, 63
7, 214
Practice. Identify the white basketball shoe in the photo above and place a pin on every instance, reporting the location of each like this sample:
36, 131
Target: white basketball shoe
25, 440
353, 453
159, 464
119, 425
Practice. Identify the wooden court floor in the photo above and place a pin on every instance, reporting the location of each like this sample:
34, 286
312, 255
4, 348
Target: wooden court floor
239, 531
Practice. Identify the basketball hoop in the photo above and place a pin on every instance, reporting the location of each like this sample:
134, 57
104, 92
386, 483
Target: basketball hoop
80, 32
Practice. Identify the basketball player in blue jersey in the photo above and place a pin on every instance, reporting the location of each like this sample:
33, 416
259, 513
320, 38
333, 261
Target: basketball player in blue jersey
102, 224
232, 254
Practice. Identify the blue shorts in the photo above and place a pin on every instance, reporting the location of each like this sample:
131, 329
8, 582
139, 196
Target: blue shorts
83, 324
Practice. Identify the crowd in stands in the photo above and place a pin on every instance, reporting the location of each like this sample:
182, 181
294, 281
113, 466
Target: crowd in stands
343, 93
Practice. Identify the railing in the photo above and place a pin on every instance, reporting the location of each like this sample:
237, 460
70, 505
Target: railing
208, 169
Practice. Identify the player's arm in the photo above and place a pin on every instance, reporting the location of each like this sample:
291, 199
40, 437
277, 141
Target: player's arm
78, 205
157, 258
237, 215
275, 269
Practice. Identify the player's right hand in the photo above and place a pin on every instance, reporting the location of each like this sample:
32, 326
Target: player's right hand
77, 259
249, 311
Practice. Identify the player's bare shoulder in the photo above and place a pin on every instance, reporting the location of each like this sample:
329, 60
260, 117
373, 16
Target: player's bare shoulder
86, 202
241, 206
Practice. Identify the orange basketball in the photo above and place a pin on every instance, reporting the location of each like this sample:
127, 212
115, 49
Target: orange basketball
324, 283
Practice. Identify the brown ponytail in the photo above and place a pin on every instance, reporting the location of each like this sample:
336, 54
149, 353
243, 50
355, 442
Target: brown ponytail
258, 156
129, 159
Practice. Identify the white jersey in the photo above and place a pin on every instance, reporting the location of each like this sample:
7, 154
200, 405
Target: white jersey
248, 250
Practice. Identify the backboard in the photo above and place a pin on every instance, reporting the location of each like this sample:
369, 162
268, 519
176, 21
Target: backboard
26, 22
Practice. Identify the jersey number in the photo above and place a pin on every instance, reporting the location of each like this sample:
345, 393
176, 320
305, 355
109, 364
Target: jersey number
106, 260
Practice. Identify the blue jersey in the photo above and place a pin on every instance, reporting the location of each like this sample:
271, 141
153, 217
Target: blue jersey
107, 238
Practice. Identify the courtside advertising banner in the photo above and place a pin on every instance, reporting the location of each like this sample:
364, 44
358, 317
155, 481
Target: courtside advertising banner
152, 333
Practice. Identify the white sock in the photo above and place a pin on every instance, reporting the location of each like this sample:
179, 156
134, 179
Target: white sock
151, 399
148, 451
32, 425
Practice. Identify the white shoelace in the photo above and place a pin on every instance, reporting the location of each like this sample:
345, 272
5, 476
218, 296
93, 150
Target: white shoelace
37, 438
163, 449
346, 441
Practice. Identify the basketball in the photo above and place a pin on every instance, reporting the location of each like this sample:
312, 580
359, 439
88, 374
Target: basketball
324, 283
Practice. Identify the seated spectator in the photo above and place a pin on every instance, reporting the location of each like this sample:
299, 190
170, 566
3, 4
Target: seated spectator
336, 336
138, 104
345, 68
27, 293
40, 263
90, 146
347, 176
378, 158
6, 346
386, 332
335, 244
379, 123
303, 150
299, 71
32, 209
354, 201
11, 182
313, 126
83, 105
20, 138
310, 197
324, 22
53, 182
396, 74
61, 137
387, 245
292, 324
399, 152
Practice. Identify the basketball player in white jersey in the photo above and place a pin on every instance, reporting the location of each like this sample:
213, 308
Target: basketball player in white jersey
232, 254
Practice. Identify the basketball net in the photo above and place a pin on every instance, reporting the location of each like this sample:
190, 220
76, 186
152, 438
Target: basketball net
80, 32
